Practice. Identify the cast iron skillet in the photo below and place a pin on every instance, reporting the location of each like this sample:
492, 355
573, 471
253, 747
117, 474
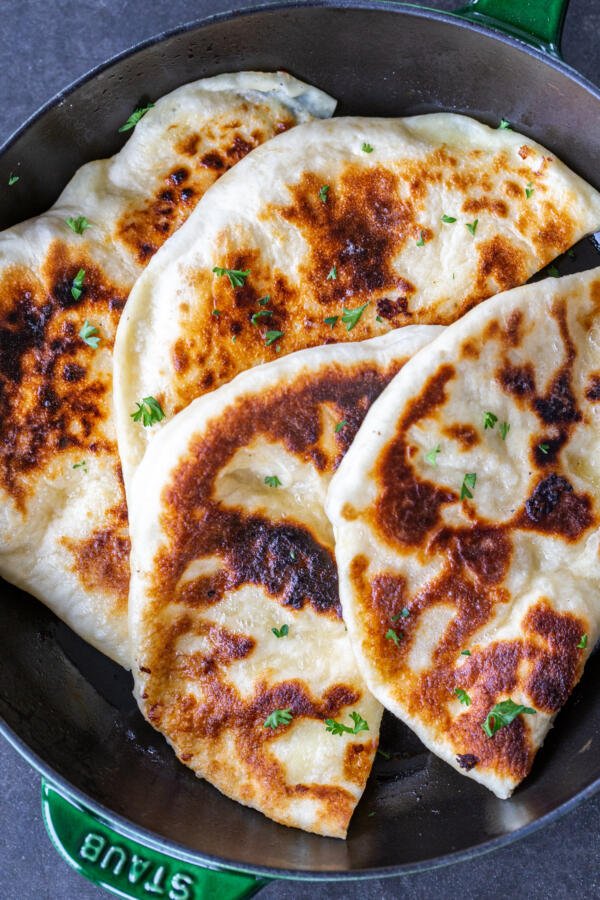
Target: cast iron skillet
69, 710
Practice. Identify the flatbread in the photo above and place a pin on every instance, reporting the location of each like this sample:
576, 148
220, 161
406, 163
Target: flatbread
329, 217
497, 594
63, 519
230, 541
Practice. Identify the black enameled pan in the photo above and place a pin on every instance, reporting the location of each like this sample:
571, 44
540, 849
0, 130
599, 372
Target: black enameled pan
117, 803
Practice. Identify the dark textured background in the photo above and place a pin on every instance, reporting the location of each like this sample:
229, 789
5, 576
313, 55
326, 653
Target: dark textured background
44, 45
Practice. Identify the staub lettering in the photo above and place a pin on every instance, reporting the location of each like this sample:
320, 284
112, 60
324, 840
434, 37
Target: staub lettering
153, 879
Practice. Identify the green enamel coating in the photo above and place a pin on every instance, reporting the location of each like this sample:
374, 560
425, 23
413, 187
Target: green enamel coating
129, 869
538, 22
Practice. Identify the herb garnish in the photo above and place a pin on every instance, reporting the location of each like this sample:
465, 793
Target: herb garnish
502, 714
351, 317
340, 425
81, 465
462, 696
553, 272
261, 314
264, 300
504, 123
272, 481
78, 225
489, 420
448, 219
421, 240
89, 334
504, 429
332, 274
360, 724
378, 319
237, 277
149, 412
366, 148
384, 753
12, 179
582, 642
544, 448
279, 717
77, 285
331, 320
472, 226
216, 313
465, 652
431, 457
571, 253
529, 190
392, 635
281, 632
135, 117
468, 485
271, 337
323, 191
403, 614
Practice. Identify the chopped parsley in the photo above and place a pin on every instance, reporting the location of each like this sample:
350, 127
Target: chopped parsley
392, 635
323, 193
529, 190
89, 334
279, 717
237, 277
431, 457
12, 179
571, 253
378, 319
384, 753
292, 554
421, 240
216, 313
149, 412
135, 117
504, 429
544, 448
281, 632
465, 652
462, 696
81, 465
449, 220
77, 285
78, 225
272, 481
264, 300
366, 148
472, 226
340, 425
338, 728
553, 272
502, 714
272, 336
332, 274
468, 485
504, 123
261, 314
582, 642
331, 320
489, 420
403, 614
351, 317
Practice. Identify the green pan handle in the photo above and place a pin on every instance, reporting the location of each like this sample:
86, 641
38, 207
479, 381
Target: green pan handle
127, 868
538, 22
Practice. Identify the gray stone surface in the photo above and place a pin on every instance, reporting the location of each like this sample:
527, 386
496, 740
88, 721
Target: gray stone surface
45, 44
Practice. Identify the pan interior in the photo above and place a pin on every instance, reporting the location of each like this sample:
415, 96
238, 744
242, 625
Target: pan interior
72, 706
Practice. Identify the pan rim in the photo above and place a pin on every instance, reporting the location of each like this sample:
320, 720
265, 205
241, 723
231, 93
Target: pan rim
80, 798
